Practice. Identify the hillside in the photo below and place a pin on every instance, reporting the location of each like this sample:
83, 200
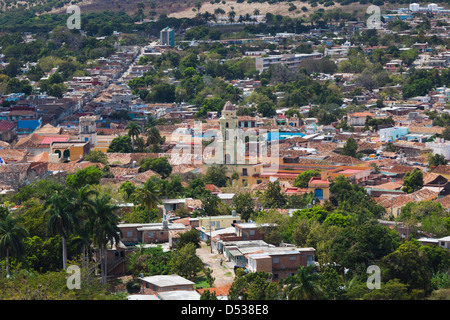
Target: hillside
188, 8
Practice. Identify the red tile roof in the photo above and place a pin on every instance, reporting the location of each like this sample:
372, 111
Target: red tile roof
6, 125
220, 291
49, 139
318, 180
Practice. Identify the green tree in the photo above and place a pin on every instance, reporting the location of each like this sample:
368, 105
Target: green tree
106, 230
352, 198
244, 205
160, 165
12, 235
331, 284
436, 160
154, 139
211, 204
338, 218
356, 247
148, 195
254, 286
350, 148
303, 178
191, 236
133, 131
96, 156
128, 188
171, 188
314, 213
272, 196
62, 219
87, 176
413, 181
196, 189
121, 144
216, 175
208, 295
185, 262
266, 109
409, 264
162, 93
82, 203
389, 290
303, 285
149, 261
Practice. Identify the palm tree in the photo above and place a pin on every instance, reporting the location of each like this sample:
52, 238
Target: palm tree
303, 285
133, 131
106, 230
83, 204
11, 238
62, 220
198, 6
148, 195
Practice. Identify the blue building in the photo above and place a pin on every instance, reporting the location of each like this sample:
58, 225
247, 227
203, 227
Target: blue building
167, 37
28, 126
392, 134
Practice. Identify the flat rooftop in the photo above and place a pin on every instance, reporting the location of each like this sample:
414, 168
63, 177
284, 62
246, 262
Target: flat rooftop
167, 280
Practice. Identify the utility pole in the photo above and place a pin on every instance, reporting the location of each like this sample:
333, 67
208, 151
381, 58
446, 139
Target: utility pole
210, 233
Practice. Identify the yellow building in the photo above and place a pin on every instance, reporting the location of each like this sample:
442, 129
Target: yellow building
231, 151
68, 151
208, 224
234, 152
320, 186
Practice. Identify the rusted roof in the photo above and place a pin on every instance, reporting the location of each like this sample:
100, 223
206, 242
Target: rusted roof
441, 169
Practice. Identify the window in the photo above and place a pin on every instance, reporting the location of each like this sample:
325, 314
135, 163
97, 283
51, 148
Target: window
276, 260
252, 232
293, 258
129, 234
150, 234
244, 172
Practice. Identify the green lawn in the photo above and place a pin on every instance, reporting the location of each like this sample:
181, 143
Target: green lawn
200, 282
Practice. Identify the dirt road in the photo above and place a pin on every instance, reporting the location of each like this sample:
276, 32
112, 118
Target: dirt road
224, 273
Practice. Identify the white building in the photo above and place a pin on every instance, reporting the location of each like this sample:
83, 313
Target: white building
440, 146
392, 134
289, 60
444, 242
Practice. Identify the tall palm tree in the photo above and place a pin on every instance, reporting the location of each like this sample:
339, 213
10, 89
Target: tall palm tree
148, 195
106, 230
303, 285
133, 131
82, 203
62, 220
11, 238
